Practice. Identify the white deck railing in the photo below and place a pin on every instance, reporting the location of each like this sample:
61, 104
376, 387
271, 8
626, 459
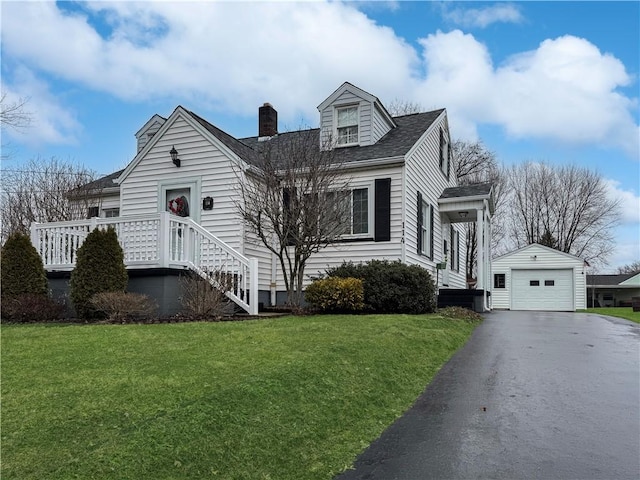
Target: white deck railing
158, 240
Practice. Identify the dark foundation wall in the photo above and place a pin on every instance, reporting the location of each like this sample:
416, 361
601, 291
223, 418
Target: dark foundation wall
160, 284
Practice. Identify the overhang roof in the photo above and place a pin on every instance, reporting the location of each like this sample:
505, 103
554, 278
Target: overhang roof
609, 280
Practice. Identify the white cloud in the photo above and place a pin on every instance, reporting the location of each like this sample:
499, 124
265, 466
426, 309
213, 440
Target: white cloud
49, 121
483, 17
233, 56
628, 200
565, 90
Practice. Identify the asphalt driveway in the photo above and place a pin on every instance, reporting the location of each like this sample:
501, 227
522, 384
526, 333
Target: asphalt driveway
541, 395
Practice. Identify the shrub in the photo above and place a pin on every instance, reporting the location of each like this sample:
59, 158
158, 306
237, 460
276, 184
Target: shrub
336, 294
201, 299
391, 287
21, 269
121, 307
99, 268
32, 307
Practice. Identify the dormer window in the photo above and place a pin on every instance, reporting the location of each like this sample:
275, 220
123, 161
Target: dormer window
347, 125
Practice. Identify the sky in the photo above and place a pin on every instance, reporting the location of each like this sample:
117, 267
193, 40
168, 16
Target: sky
554, 82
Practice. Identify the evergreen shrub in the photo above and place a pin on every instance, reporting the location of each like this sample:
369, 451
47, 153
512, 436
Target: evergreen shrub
336, 295
391, 287
21, 269
99, 268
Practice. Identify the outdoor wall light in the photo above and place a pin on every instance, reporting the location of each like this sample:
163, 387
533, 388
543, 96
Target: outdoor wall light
463, 214
174, 156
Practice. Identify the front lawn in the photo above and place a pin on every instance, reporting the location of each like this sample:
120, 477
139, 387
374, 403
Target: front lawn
621, 312
288, 398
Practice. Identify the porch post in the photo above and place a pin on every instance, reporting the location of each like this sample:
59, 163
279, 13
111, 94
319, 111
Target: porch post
34, 236
480, 247
489, 258
163, 239
253, 286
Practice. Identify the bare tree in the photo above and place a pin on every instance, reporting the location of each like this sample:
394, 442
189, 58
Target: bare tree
45, 191
473, 163
633, 267
13, 113
296, 200
567, 206
402, 107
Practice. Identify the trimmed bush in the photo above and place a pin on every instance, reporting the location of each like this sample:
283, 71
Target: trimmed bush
336, 295
391, 287
99, 268
122, 307
21, 269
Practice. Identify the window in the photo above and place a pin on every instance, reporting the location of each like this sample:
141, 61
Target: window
425, 228
111, 212
549, 283
445, 154
357, 206
534, 283
352, 207
347, 125
93, 212
499, 280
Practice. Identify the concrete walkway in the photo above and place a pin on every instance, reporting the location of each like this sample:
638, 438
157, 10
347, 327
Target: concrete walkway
540, 395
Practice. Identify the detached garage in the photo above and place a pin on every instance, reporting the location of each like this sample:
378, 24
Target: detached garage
539, 278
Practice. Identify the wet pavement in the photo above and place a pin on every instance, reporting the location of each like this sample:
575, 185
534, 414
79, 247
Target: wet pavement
540, 395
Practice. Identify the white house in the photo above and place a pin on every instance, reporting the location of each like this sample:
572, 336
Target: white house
536, 277
612, 290
174, 205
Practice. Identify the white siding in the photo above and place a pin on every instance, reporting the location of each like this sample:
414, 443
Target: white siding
201, 161
424, 175
362, 251
536, 257
146, 135
380, 125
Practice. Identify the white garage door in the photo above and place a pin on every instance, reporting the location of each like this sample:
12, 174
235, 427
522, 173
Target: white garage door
542, 290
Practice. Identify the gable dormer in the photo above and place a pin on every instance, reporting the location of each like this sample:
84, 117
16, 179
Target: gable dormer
149, 130
352, 117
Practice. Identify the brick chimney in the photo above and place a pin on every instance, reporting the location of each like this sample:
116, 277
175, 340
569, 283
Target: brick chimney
267, 121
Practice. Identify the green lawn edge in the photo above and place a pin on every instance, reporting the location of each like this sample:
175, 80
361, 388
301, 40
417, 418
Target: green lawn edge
621, 312
285, 398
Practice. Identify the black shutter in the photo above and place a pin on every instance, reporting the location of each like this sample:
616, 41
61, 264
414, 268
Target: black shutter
458, 252
449, 156
431, 233
419, 223
382, 213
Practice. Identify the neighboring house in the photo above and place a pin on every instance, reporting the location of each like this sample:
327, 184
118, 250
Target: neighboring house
612, 290
176, 200
536, 277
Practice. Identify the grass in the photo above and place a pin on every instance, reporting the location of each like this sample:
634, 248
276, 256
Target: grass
288, 398
621, 312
